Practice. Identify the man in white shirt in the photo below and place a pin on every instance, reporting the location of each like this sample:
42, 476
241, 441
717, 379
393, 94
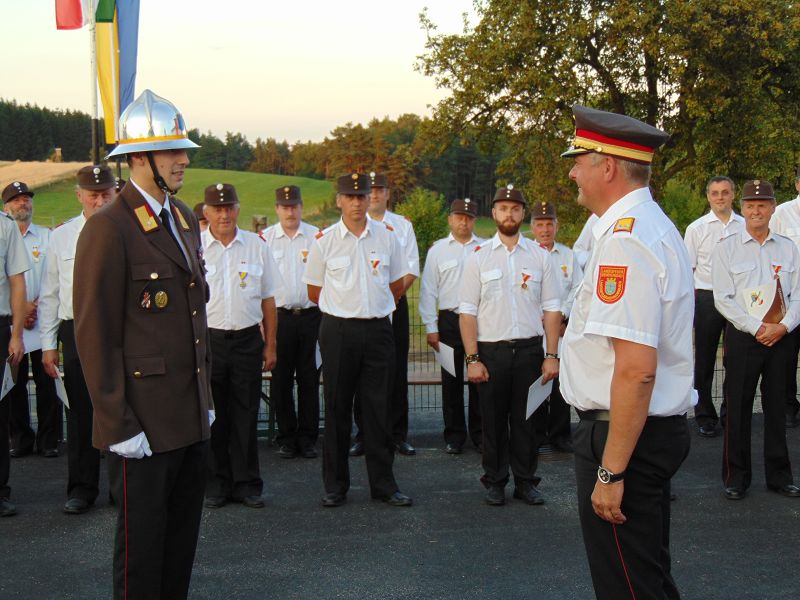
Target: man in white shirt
701, 238
509, 298
398, 389
242, 278
786, 221
355, 274
19, 206
95, 189
552, 419
632, 317
298, 327
756, 277
441, 280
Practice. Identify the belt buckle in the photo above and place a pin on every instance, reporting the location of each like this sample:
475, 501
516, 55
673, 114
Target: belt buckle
297, 311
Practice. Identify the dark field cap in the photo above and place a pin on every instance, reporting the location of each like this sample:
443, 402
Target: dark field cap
198, 211
615, 135
758, 189
509, 193
464, 207
354, 184
378, 180
543, 210
97, 177
288, 195
14, 189
221, 194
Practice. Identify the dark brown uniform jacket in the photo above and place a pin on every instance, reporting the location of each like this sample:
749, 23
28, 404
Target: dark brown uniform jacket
140, 325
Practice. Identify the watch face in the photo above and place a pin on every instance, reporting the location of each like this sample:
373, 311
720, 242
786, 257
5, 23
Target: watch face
603, 475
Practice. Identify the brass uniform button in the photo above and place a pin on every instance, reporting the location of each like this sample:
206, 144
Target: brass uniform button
137, 374
194, 313
197, 341
191, 285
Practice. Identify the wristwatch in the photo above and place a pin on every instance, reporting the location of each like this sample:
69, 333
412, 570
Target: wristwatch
551, 355
472, 358
606, 476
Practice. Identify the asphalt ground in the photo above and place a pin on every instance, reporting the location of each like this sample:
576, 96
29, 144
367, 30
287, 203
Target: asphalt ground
449, 545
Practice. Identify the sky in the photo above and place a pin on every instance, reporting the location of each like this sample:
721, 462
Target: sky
290, 70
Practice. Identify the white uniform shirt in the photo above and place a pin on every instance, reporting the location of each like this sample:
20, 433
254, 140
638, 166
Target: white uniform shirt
13, 260
786, 220
355, 272
404, 231
508, 291
441, 278
291, 255
239, 276
701, 237
636, 287
741, 263
36, 240
582, 248
568, 272
55, 298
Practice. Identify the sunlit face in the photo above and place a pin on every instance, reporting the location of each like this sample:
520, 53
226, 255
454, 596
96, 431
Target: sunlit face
289, 216
20, 208
544, 231
378, 199
587, 173
720, 196
171, 165
757, 213
508, 216
222, 219
354, 208
94, 200
461, 225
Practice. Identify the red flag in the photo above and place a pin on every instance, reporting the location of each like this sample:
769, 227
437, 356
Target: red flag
71, 14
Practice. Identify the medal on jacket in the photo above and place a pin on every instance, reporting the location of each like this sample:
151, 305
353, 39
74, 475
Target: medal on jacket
564, 270
35, 252
145, 301
162, 299
304, 252
375, 263
242, 278
525, 278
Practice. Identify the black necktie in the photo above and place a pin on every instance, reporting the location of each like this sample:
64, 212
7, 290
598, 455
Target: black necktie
164, 215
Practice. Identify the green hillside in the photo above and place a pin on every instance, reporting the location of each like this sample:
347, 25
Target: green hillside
55, 203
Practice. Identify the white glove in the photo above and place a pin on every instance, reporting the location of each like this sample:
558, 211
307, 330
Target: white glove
136, 447
212, 416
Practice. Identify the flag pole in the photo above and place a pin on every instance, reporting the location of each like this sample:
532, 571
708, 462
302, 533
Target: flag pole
93, 60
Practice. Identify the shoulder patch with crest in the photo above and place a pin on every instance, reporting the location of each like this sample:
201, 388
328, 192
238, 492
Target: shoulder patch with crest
624, 224
611, 283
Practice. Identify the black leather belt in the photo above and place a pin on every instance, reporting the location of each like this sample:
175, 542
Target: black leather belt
5, 320
296, 311
233, 334
521, 343
605, 415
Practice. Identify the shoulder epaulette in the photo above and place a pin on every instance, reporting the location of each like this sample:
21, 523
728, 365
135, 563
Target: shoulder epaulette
625, 224
477, 248
320, 233
406, 218
261, 235
389, 227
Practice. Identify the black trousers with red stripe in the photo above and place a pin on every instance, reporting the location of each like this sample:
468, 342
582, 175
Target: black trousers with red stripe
631, 560
160, 501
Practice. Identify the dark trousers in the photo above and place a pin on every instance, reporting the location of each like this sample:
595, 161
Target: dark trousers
160, 500
357, 358
708, 326
5, 466
455, 427
297, 347
631, 560
508, 437
398, 385
83, 459
792, 405
48, 408
236, 386
746, 360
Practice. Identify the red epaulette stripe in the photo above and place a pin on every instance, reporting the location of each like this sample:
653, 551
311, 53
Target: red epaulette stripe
604, 139
319, 235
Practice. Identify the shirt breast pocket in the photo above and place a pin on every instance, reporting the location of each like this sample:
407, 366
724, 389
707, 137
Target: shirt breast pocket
380, 265
741, 273
337, 270
153, 284
786, 275
249, 276
491, 284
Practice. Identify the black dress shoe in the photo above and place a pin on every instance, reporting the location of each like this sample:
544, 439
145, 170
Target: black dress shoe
453, 449
790, 490
357, 449
404, 448
19, 452
734, 493
253, 501
76, 506
708, 430
6, 508
50, 453
287, 451
496, 496
792, 421
309, 452
529, 494
333, 500
398, 499
545, 449
215, 501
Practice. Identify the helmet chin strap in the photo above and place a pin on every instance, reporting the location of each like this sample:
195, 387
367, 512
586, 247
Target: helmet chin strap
159, 180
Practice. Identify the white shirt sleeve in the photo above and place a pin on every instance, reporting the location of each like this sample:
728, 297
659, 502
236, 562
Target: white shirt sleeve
691, 242
315, 267
551, 288
792, 317
412, 251
48, 302
429, 292
470, 291
398, 265
271, 279
577, 277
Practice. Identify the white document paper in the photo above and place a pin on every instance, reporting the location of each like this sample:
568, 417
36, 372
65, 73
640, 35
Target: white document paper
446, 358
537, 394
61, 391
9, 379
32, 339
758, 300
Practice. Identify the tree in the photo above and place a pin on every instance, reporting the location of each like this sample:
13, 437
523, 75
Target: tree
722, 78
238, 152
426, 211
